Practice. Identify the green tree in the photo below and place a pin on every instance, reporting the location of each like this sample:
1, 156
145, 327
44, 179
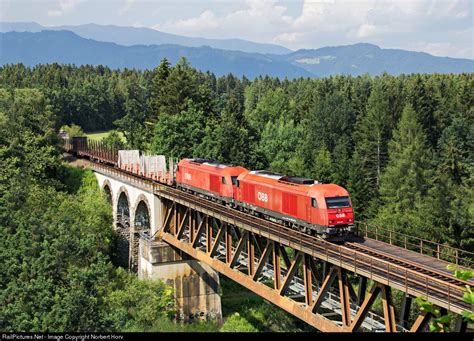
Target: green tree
322, 170
178, 135
113, 140
73, 130
133, 305
371, 134
407, 178
132, 124
280, 144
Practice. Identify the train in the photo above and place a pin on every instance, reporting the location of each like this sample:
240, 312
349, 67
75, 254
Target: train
323, 210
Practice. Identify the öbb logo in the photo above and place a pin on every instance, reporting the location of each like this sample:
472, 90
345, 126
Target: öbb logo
262, 196
340, 215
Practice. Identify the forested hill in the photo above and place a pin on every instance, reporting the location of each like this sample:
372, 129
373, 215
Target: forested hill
127, 35
67, 47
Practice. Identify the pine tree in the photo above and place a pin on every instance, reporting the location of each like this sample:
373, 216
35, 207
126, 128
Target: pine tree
158, 89
407, 178
371, 136
235, 139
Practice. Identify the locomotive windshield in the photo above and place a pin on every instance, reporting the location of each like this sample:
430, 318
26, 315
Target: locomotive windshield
338, 202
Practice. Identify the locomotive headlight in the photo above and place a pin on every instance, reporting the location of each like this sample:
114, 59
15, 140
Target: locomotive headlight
349, 220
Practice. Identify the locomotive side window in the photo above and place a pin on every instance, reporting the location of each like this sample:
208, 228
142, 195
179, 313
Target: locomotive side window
314, 203
235, 182
338, 202
223, 180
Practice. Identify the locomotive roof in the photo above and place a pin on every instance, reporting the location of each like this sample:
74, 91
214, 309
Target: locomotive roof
209, 162
267, 174
285, 178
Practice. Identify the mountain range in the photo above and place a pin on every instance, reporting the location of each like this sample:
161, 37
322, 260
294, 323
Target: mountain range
127, 36
64, 46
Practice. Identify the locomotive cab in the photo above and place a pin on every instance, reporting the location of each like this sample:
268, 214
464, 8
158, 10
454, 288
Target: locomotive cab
340, 214
332, 208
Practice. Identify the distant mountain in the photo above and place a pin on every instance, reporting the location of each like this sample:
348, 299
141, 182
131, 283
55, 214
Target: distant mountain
126, 35
69, 48
367, 58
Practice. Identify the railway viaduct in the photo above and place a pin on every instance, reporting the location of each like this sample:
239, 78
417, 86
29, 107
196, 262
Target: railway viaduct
138, 215
364, 285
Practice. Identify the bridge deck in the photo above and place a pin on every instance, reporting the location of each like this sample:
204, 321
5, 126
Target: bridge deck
419, 259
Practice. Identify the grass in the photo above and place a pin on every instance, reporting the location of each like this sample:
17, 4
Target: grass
253, 310
99, 135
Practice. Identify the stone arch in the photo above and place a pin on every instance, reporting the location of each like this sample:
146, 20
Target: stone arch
107, 188
142, 213
123, 208
124, 235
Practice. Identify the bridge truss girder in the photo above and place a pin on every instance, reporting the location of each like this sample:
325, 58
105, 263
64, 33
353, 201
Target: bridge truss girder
311, 289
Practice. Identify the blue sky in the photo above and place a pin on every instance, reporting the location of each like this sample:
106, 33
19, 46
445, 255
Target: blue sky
439, 27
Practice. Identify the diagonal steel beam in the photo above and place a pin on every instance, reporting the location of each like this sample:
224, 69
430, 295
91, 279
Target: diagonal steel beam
285, 257
263, 259
388, 309
198, 233
344, 296
365, 307
276, 266
182, 223
291, 272
421, 322
240, 247
220, 235
324, 289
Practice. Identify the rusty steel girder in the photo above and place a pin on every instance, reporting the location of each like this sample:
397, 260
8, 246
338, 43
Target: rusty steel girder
289, 278
299, 276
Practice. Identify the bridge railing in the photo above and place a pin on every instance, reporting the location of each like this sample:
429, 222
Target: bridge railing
422, 246
369, 266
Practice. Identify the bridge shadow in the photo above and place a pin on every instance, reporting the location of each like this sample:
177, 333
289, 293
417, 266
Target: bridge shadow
355, 239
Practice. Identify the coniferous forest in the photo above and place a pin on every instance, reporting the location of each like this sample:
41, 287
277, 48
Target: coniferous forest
403, 146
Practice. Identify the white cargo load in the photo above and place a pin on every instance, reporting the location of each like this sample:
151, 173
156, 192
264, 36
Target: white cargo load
129, 160
153, 166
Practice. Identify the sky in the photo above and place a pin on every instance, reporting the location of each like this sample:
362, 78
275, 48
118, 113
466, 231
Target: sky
439, 27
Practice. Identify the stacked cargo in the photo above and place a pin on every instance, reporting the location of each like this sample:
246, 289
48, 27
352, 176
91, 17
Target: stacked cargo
129, 160
153, 167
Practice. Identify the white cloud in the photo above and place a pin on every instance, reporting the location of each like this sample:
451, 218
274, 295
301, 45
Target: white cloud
54, 13
366, 30
288, 37
64, 7
435, 26
126, 7
258, 19
207, 20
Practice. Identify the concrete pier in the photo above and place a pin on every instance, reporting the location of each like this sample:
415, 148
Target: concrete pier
196, 285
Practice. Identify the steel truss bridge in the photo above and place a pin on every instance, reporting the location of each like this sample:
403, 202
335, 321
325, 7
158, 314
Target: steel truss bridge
331, 287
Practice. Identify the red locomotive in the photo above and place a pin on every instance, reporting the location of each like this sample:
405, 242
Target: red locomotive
299, 203
208, 178
303, 204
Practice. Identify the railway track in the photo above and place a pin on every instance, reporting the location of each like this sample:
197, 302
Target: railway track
408, 264
419, 278
441, 287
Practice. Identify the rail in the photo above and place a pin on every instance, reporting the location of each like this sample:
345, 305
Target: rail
444, 288
422, 246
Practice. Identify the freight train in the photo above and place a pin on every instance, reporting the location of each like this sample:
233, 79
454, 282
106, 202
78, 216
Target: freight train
303, 204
